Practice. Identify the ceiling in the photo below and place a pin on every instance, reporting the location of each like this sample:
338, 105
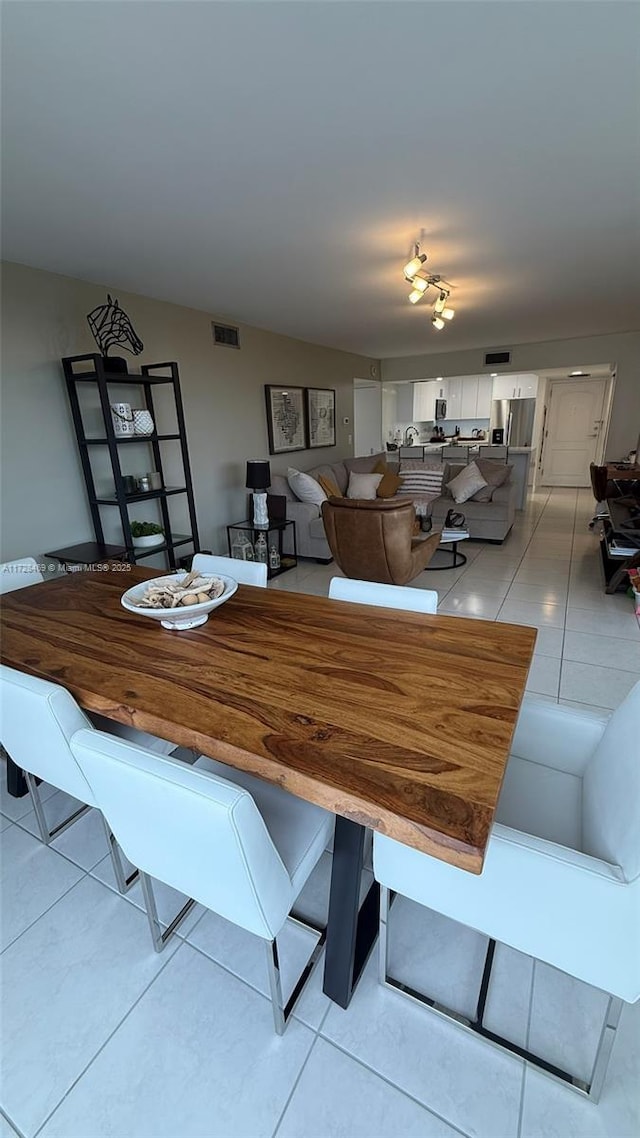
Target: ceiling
273, 163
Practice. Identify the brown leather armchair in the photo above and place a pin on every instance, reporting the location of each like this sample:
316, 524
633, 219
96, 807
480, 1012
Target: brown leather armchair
373, 541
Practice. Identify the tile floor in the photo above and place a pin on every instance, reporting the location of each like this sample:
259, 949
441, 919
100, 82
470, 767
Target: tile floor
103, 1037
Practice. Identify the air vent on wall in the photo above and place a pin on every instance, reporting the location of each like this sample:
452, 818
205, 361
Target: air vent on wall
497, 358
226, 335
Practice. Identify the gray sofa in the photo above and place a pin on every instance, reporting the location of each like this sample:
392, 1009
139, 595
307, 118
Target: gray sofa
310, 535
486, 521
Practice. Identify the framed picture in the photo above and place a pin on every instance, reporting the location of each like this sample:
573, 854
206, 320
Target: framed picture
321, 416
285, 418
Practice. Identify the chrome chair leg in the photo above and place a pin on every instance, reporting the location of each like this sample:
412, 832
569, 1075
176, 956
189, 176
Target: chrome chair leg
591, 1089
159, 937
282, 1011
46, 834
275, 985
123, 882
605, 1045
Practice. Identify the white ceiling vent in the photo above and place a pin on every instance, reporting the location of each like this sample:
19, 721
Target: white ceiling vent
226, 335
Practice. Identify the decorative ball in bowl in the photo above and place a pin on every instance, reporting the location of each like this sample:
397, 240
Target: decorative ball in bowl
181, 600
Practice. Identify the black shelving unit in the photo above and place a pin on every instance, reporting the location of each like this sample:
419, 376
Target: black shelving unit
92, 369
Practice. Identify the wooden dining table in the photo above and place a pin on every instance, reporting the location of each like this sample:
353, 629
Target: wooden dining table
393, 720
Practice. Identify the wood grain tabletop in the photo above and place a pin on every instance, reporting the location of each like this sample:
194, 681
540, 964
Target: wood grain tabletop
397, 720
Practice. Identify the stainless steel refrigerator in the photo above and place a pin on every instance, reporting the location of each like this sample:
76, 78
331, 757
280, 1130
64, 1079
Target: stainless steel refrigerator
516, 417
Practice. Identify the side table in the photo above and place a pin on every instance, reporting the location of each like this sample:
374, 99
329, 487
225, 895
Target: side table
283, 539
450, 537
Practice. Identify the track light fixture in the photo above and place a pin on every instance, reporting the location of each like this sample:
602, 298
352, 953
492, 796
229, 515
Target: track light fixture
415, 264
421, 282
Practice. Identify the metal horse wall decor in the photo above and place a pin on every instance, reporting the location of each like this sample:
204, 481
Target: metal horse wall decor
109, 325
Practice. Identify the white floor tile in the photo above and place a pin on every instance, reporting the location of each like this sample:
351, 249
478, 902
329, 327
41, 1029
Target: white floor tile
470, 1085
33, 879
588, 683
553, 1111
168, 901
15, 808
221, 1070
549, 642
605, 651
528, 612
479, 586
566, 1020
584, 706
68, 981
544, 676
6, 1129
618, 623
360, 1104
471, 604
538, 594
244, 955
435, 955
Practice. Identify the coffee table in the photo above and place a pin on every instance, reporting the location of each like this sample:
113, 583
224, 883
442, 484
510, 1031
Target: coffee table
449, 537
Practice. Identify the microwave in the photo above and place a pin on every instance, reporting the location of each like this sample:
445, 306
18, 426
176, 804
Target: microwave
441, 408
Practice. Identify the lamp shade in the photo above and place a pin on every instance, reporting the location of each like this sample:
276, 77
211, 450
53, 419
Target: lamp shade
258, 474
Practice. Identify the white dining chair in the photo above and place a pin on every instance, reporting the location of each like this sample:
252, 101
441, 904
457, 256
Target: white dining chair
244, 855
19, 574
561, 879
386, 596
37, 720
244, 572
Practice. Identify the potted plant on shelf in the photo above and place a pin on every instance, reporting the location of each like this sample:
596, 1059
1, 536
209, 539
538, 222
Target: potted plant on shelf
146, 534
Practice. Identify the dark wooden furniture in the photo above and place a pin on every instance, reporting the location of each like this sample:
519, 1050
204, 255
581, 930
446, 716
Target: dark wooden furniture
412, 740
624, 473
90, 371
614, 540
88, 553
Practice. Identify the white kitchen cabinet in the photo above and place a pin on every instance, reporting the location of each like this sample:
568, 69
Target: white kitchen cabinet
404, 403
454, 398
424, 401
485, 395
425, 393
528, 388
520, 386
469, 401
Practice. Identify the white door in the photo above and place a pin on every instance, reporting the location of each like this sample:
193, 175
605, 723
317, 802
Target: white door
367, 420
573, 431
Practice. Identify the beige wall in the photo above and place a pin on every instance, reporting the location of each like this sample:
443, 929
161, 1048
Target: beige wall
43, 500
623, 350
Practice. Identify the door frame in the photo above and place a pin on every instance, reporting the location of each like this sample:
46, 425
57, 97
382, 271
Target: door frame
607, 401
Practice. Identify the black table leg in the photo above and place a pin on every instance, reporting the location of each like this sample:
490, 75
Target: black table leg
351, 929
16, 782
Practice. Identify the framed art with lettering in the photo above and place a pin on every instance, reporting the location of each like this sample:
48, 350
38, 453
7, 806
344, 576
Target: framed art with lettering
321, 416
286, 419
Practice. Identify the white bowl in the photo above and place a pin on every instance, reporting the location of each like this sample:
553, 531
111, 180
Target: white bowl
148, 540
178, 618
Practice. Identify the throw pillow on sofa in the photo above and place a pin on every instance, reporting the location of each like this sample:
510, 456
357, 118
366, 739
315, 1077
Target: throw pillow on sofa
331, 488
363, 486
389, 485
305, 488
466, 484
495, 474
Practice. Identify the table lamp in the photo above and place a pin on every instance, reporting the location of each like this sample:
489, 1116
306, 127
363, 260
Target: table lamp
258, 480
